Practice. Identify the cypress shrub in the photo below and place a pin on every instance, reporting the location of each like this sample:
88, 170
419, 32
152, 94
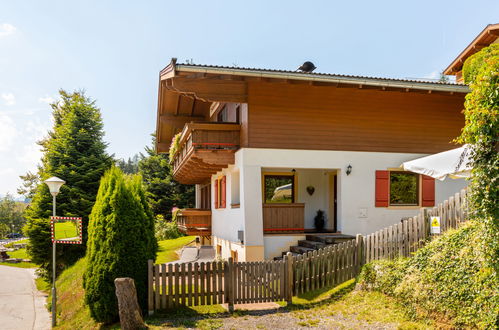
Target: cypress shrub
121, 240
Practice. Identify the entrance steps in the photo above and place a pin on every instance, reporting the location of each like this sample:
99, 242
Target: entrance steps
316, 242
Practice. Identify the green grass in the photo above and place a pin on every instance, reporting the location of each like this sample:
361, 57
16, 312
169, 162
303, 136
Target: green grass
11, 244
21, 254
42, 285
167, 248
64, 230
72, 313
310, 308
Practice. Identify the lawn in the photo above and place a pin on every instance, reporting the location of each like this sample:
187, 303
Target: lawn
339, 307
20, 254
65, 230
72, 313
167, 248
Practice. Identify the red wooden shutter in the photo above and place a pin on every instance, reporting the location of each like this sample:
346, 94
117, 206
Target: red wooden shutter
222, 192
382, 194
427, 191
215, 192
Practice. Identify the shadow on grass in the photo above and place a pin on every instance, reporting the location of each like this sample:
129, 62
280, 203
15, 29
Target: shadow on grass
191, 317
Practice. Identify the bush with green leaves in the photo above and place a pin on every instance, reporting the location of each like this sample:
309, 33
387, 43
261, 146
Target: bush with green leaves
481, 132
450, 276
121, 240
167, 229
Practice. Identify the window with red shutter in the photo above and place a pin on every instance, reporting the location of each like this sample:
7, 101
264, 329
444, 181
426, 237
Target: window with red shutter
427, 191
382, 188
223, 190
215, 192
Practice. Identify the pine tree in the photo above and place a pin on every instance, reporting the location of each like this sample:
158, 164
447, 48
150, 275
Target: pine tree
121, 240
75, 152
162, 191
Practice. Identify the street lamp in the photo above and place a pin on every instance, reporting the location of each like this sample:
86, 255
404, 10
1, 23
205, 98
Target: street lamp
54, 184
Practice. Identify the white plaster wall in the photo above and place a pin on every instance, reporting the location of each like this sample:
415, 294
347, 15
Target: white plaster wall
355, 192
275, 245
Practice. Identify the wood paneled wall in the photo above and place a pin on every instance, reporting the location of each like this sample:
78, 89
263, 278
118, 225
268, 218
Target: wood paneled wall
298, 116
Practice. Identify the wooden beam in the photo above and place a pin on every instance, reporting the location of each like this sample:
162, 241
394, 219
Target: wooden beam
178, 120
212, 90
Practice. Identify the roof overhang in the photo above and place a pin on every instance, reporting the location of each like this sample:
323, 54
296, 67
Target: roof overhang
488, 36
187, 92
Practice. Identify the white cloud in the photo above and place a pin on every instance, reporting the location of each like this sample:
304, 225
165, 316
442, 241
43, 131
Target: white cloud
8, 132
30, 156
47, 99
8, 98
6, 29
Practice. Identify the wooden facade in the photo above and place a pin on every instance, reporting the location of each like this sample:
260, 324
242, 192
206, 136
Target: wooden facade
293, 114
290, 116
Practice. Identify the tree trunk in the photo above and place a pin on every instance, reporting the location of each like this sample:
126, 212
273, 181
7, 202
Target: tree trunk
128, 306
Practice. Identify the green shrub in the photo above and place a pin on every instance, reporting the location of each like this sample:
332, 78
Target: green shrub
383, 275
121, 240
174, 146
450, 276
166, 229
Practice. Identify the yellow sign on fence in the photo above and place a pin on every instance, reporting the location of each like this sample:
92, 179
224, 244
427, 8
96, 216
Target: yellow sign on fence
435, 225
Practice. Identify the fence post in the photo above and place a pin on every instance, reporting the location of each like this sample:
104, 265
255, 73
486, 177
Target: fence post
359, 243
289, 278
229, 284
150, 301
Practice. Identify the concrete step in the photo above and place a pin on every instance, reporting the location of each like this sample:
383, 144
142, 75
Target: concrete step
312, 244
329, 239
300, 249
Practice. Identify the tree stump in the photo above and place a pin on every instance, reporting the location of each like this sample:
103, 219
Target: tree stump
128, 306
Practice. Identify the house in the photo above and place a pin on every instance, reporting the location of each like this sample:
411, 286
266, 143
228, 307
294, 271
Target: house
267, 149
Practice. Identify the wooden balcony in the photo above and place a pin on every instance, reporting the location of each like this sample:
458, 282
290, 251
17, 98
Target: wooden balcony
283, 218
205, 148
195, 222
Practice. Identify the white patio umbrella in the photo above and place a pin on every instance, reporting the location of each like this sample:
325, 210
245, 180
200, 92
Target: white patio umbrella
452, 163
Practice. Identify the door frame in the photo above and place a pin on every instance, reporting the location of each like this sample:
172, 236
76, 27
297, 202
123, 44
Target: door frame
333, 201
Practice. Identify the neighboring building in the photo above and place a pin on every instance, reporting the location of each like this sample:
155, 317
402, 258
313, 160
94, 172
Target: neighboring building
267, 149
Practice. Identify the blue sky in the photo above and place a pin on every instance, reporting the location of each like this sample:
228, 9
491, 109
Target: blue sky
115, 49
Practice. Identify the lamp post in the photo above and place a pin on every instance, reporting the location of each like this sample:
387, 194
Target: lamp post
54, 184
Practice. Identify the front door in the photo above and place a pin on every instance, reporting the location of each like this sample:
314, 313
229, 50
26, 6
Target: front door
333, 202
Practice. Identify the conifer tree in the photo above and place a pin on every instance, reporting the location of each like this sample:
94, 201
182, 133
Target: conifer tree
162, 191
121, 240
75, 152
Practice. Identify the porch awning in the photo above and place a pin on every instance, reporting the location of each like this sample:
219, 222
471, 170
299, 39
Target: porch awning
452, 163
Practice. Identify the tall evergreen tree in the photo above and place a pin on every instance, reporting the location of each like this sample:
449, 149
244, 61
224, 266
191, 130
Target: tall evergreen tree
162, 191
121, 240
74, 151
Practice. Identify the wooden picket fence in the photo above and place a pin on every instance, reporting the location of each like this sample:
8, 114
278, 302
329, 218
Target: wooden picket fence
228, 282
406, 237
327, 267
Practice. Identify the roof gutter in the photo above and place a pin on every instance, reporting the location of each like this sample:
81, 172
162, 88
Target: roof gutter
322, 78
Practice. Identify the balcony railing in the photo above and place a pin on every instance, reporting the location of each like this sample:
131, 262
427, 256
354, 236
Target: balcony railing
283, 218
194, 222
204, 149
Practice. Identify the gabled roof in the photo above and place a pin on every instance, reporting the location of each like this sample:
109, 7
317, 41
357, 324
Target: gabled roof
488, 36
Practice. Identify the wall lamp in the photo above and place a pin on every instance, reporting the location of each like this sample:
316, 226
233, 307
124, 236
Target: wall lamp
349, 169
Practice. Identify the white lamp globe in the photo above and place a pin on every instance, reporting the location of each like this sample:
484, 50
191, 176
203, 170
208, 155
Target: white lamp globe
54, 184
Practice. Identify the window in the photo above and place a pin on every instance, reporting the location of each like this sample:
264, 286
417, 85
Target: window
279, 188
234, 189
398, 188
404, 188
220, 192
